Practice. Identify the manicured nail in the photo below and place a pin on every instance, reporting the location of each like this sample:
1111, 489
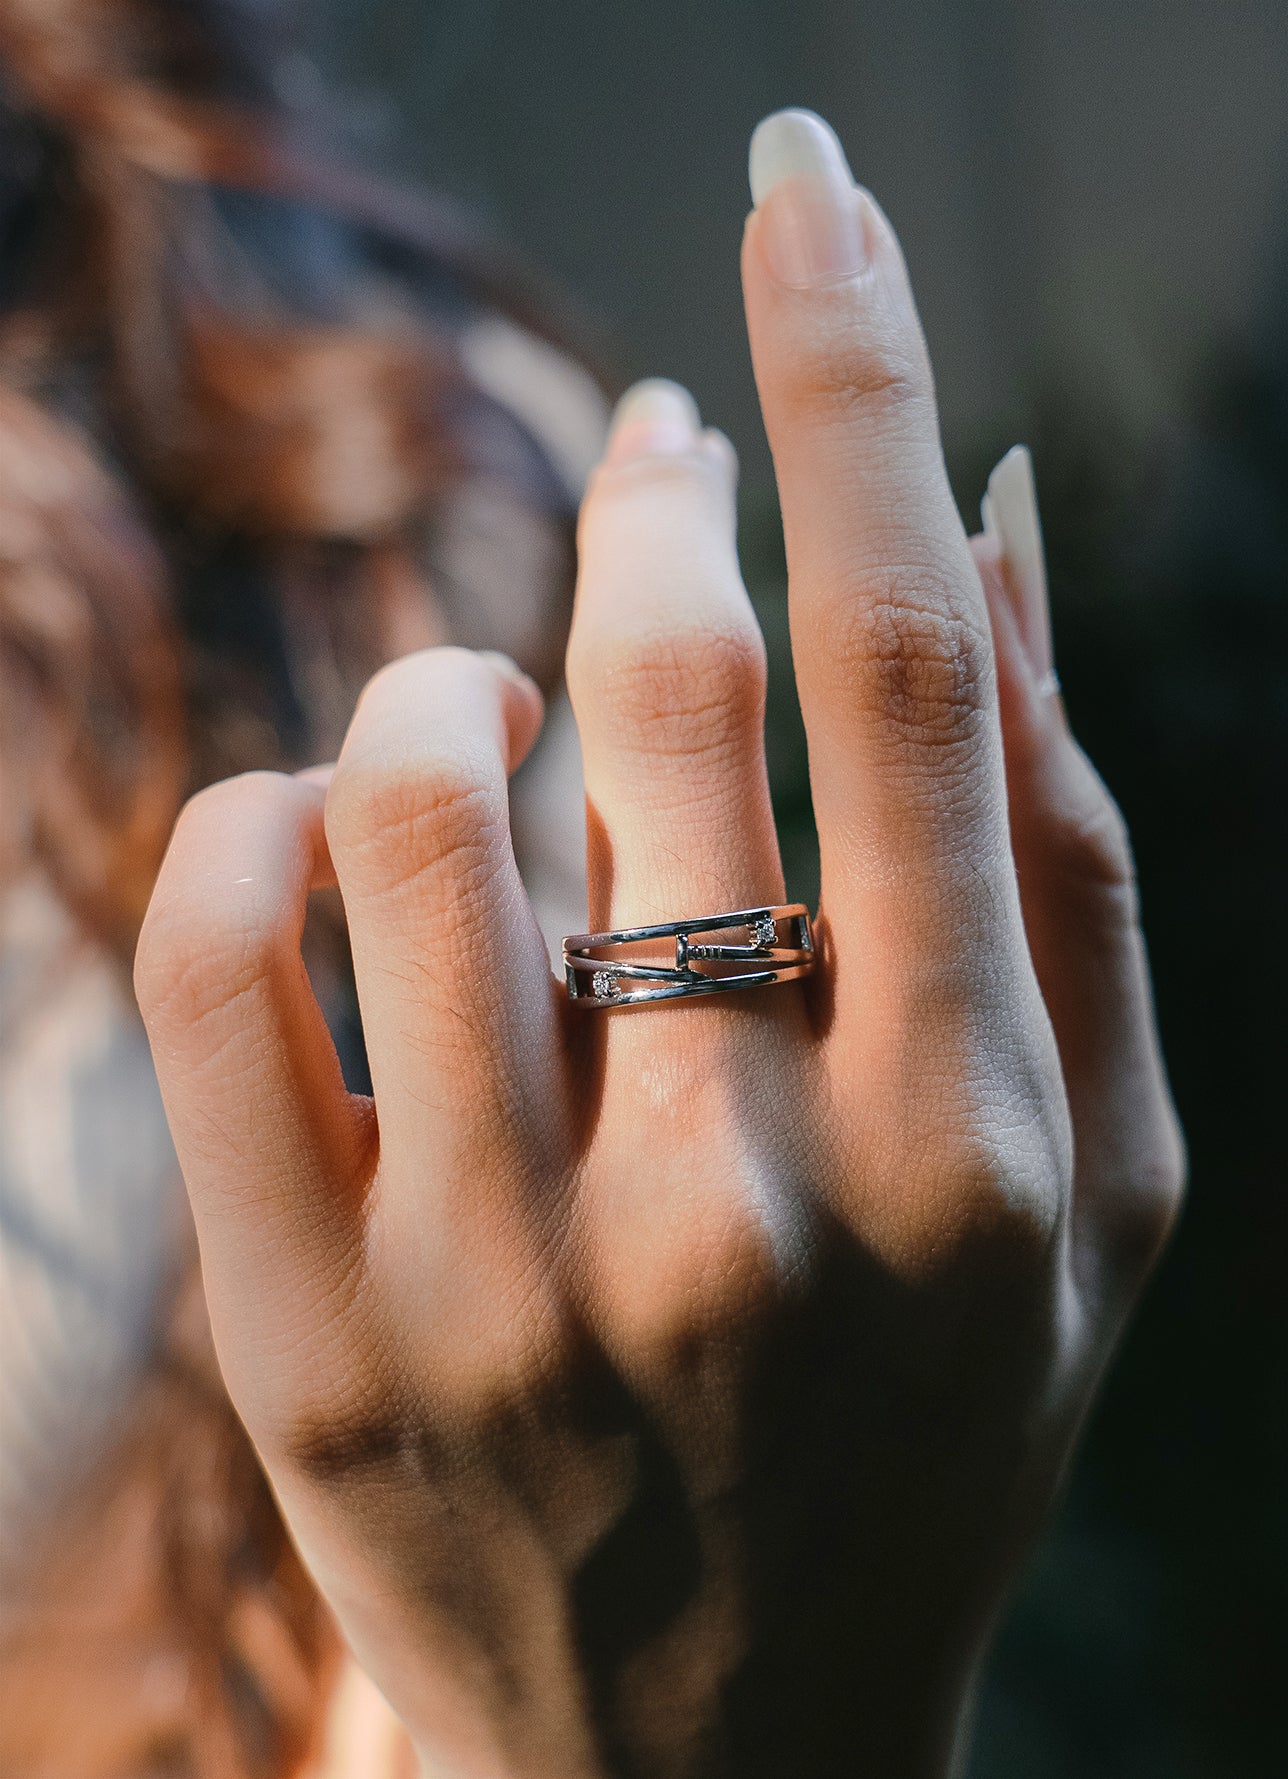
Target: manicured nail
1010, 514
655, 418
811, 211
506, 665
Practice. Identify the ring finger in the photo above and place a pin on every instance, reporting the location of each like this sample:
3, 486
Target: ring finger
666, 670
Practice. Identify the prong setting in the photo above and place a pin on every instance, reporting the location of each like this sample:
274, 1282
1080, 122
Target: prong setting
744, 947
763, 931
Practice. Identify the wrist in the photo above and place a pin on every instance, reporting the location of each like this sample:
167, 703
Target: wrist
913, 1736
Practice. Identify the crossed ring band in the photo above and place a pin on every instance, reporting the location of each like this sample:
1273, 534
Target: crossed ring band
607, 969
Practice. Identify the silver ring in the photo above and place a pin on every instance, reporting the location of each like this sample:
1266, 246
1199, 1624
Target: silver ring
774, 945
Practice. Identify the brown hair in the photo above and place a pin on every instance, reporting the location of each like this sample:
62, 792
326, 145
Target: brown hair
219, 485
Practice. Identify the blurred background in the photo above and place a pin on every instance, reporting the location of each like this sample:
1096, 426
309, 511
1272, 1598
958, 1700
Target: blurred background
1094, 201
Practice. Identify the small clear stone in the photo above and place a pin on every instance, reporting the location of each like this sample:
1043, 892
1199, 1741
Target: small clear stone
603, 985
763, 931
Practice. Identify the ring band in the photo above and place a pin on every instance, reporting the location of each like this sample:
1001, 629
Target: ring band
764, 955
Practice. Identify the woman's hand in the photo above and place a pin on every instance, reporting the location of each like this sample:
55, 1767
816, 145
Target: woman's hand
675, 1391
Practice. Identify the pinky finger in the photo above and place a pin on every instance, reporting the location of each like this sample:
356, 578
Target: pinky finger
1078, 894
273, 1149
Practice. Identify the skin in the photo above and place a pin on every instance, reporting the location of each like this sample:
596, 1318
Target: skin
676, 1391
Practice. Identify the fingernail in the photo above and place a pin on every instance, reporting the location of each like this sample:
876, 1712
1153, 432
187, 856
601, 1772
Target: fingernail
810, 210
506, 665
1010, 514
316, 774
655, 418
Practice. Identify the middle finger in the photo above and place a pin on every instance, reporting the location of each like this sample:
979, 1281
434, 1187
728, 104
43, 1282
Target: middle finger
889, 626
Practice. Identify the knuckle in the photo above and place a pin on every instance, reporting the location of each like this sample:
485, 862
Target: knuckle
686, 1330
1093, 847
983, 1221
674, 690
341, 1408
721, 1277
197, 965
917, 656
375, 1419
327, 1448
988, 1198
199, 951
841, 372
391, 825
1139, 1213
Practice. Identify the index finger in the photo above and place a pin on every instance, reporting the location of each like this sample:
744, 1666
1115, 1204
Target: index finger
889, 624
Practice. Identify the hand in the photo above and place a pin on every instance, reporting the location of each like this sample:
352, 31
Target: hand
676, 1391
